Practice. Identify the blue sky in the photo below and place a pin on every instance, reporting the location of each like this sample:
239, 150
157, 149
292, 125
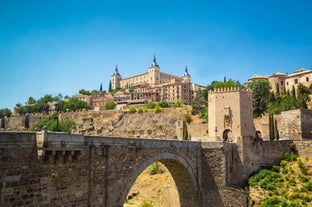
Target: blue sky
51, 47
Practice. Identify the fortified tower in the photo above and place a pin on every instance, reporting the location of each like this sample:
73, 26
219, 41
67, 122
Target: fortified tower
154, 73
115, 79
230, 114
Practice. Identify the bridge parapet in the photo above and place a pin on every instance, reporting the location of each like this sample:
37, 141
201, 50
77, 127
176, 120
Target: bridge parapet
53, 147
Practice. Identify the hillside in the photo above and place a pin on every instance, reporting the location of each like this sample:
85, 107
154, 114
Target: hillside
114, 123
289, 184
158, 190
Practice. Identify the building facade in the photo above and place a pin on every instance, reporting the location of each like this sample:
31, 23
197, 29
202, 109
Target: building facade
282, 82
156, 86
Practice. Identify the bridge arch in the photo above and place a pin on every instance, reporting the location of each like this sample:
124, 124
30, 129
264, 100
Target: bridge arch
184, 176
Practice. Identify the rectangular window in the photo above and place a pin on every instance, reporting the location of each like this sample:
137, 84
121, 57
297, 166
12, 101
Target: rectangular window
296, 81
307, 79
281, 83
287, 83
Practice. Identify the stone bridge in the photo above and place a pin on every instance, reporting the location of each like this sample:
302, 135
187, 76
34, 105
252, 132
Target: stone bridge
57, 169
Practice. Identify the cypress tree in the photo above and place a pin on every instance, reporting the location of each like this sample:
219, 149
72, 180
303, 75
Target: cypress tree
110, 86
185, 133
272, 126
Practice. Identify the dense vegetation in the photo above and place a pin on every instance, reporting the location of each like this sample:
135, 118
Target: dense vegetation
5, 113
288, 184
54, 124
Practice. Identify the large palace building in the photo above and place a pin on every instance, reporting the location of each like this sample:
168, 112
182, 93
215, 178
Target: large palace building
155, 86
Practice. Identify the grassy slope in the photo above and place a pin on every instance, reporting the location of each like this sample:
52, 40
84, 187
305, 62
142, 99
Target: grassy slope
289, 184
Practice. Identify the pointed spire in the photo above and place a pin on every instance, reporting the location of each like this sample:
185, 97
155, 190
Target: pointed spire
154, 61
186, 72
116, 71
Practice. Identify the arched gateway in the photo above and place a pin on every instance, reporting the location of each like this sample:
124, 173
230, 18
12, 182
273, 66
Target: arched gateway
182, 173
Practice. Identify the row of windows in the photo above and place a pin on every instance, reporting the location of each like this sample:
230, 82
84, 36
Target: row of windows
296, 81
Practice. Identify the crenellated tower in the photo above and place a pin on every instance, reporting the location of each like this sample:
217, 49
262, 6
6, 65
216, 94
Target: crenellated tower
230, 114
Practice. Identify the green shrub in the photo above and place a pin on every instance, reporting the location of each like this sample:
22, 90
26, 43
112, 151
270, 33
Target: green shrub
303, 178
150, 105
290, 157
110, 105
275, 168
177, 104
164, 104
140, 110
157, 109
283, 163
132, 109
146, 204
306, 187
302, 167
188, 118
153, 169
292, 182
284, 170
271, 201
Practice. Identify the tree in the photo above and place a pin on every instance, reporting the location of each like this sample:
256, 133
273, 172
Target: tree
261, 92
164, 104
101, 88
293, 91
150, 105
52, 124
185, 132
110, 86
59, 97
110, 105
84, 92
75, 104
5, 112
198, 103
31, 100
303, 95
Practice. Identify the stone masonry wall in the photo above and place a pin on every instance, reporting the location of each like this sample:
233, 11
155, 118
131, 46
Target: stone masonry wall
29, 180
59, 169
304, 148
198, 132
296, 124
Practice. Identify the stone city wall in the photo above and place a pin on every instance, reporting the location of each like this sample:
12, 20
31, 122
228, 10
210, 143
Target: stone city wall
304, 148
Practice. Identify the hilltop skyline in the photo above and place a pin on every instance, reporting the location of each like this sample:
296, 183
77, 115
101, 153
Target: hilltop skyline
61, 47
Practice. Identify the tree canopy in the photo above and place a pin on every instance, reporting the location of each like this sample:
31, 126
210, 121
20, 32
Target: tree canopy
53, 124
74, 104
5, 112
289, 100
261, 93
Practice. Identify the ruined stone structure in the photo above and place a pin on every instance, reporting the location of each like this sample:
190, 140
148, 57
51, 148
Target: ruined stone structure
230, 114
57, 169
